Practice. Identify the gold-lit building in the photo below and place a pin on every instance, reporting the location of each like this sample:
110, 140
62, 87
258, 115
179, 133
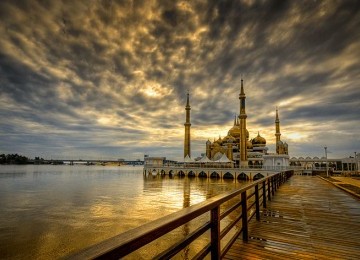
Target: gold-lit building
237, 145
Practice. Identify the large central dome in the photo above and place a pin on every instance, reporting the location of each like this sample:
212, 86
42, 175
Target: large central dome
235, 132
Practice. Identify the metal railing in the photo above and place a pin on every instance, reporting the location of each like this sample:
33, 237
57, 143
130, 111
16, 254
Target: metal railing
249, 198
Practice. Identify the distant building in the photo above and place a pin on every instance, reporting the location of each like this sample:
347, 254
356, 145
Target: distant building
154, 161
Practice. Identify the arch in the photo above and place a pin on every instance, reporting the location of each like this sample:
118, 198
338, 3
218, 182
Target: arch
181, 173
243, 177
202, 174
214, 175
171, 172
154, 172
228, 175
191, 174
258, 176
162, 172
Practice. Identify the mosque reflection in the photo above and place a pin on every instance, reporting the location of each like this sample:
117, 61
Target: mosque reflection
182, 192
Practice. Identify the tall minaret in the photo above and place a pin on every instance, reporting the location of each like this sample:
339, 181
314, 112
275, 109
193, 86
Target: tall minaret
187, 128
242, 117
277, 134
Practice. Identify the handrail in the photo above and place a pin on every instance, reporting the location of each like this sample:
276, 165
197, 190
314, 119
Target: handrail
128, 242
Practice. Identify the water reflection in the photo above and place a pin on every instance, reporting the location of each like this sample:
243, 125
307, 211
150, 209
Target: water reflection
50, 211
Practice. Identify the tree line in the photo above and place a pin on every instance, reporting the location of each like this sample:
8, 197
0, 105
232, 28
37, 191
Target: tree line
13, 159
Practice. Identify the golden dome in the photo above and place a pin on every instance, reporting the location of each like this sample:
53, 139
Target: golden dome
249, 144
235, 131
219, 141
259, 140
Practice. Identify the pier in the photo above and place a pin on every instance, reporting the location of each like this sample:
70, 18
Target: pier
308, 218
281, 216
211, 171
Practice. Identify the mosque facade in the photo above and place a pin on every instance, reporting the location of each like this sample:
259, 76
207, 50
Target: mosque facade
238, 147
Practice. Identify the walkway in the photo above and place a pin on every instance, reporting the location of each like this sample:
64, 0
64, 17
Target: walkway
308, 218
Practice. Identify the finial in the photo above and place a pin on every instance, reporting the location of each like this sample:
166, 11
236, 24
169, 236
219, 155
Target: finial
277, 114
187, 99
235, 120
258, 133
242, 87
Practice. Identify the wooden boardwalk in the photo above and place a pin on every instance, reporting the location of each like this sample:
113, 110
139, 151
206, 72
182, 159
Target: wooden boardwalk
308, 218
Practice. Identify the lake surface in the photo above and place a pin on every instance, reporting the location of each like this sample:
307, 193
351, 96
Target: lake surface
47, 212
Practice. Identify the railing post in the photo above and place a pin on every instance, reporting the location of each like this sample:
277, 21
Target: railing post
269, 190
257, 202
244, 216
264, 193
272, 185
215, 233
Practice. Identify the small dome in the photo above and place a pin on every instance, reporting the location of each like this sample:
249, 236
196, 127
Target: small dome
308, 158
259, 140
294, 158
301, 158
219, 141
229, 139
316, 158
280, 142
249, 145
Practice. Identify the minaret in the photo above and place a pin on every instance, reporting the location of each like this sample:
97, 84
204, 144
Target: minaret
277, 134
242, 117
187, 128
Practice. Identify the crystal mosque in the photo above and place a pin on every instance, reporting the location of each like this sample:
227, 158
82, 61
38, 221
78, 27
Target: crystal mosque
237, 147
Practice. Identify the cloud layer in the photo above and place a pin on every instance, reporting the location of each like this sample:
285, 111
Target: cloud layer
108, 79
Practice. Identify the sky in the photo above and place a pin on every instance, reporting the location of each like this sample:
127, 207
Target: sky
106, 79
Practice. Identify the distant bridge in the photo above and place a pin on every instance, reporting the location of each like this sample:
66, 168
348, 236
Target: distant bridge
85, 161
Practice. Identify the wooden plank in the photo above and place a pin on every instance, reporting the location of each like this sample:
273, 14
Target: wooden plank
306, 219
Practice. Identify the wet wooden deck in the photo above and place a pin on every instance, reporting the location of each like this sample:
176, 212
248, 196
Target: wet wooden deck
308, 218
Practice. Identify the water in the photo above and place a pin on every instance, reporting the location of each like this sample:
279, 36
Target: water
51, 211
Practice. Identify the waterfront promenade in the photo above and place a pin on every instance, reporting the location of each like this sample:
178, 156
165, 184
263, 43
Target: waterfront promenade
308, 218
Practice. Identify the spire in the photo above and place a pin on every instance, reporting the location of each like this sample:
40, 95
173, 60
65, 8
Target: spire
187, 141
277, 131
242, 98
187, 100
235, 120
242, 124
242, 87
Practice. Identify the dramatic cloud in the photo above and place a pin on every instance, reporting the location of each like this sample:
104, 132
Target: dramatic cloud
108, 79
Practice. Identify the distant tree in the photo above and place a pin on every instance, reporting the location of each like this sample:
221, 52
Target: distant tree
13, 159
2, 158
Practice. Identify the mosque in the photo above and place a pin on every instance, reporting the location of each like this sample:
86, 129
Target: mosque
236, 147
